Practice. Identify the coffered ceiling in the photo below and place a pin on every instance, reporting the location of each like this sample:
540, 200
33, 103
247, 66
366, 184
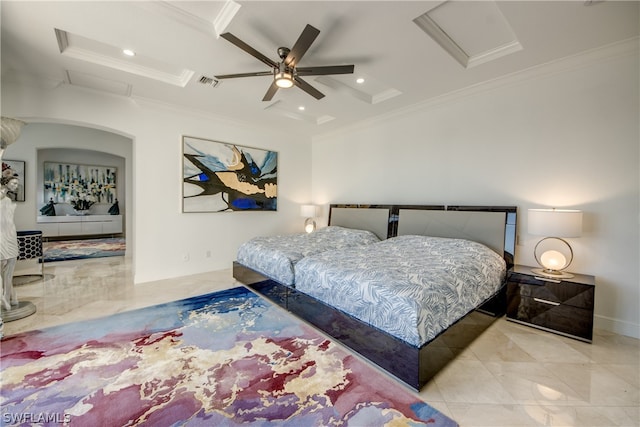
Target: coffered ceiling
407, 53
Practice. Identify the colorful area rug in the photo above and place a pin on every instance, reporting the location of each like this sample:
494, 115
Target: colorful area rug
65, 250
222, 359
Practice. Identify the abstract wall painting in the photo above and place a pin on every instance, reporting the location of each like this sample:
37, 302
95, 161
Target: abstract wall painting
223, 177
15, 168
64, 182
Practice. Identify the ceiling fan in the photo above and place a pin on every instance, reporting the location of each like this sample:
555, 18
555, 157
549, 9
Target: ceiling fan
286, 73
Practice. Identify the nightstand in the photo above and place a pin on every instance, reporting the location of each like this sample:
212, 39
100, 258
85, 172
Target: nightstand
562, 306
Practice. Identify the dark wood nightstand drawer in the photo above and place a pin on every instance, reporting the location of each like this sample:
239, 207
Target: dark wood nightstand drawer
561, 306
577, 322
567, 293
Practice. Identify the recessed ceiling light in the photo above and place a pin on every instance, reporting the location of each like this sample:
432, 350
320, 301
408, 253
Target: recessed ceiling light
301, 108
128, 52
360, 80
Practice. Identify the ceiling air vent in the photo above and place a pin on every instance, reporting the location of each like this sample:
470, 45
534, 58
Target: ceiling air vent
210, 81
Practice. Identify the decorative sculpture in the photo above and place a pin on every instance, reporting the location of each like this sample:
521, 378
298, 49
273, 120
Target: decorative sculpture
49, 209
114, 209
11, 308
10, 131
8, 241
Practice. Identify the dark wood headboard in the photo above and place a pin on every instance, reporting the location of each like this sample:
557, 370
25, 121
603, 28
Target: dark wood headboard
493, 226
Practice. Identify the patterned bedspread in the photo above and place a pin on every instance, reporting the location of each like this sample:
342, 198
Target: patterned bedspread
276, 256
412, 287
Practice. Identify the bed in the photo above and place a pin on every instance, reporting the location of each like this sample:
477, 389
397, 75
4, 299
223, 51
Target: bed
276, 256
386, 323
412, 287
351, 225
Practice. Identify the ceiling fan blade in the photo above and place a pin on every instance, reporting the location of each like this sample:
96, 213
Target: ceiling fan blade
271, 91
251, 51
323, 71
233, 76
308, 88
301, 45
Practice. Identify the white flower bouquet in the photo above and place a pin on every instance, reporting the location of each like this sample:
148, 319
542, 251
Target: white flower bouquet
82, 202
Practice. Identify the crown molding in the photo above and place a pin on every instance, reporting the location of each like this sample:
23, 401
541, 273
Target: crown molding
225, 15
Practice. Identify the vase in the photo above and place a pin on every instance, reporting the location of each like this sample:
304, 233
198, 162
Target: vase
81, 212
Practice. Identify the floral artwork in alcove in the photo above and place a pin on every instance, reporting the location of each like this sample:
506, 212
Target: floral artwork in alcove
80, 185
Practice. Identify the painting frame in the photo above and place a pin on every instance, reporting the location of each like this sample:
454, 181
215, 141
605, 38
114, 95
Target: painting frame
18, 167
63, 181
221, 176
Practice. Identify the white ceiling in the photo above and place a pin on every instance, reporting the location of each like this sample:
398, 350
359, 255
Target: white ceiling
398, 47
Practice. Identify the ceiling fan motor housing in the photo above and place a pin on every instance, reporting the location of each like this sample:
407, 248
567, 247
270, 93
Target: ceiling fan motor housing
283, 52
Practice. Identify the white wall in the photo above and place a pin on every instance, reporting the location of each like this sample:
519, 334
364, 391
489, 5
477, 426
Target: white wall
563, 135
161, 236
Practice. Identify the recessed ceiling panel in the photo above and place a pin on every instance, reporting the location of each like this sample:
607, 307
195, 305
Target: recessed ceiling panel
98, 83
473, 32
84, 49
360, 86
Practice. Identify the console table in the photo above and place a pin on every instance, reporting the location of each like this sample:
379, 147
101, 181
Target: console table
79, 225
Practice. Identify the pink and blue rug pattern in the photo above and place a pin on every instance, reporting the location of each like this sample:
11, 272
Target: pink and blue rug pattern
222, 359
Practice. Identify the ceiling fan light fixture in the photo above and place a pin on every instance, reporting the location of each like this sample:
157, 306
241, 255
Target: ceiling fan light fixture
284, 80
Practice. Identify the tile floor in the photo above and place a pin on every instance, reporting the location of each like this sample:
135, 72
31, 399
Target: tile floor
511, 376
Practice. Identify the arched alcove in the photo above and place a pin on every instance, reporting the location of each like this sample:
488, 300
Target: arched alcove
41, 143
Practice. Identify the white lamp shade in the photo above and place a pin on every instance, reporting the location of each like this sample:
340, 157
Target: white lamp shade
555, 222
308, 211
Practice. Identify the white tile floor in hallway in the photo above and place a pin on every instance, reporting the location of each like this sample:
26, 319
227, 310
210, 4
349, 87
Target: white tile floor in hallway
511, 376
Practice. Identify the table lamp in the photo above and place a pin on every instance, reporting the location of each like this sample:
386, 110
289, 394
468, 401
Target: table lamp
553, 253
309, 212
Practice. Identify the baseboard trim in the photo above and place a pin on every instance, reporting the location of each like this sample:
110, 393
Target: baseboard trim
617, 326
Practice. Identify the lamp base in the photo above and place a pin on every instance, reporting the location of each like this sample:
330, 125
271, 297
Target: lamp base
309, 225
552, 274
